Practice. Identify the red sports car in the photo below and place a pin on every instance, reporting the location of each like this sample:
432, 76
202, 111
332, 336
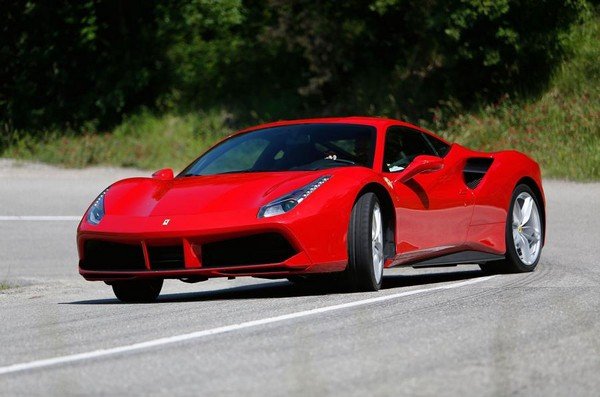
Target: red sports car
341, 198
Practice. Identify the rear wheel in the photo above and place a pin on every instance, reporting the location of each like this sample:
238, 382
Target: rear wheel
137, 291
365, 245
524, 233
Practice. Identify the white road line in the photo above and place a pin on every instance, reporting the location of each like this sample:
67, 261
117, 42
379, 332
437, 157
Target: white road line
221, 330
38, 218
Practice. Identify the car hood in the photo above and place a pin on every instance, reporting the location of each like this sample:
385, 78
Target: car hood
202, 194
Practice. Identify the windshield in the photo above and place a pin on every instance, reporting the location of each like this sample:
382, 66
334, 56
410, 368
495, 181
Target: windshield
289, 148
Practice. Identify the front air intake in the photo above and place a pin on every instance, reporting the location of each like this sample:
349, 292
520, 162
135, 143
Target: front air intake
168, 257
107, 255
257, 249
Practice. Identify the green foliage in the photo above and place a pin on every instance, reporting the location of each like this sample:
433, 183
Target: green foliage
144, 141
561, 128
202, 43
76, 64
82, 66
400, 57
168, 77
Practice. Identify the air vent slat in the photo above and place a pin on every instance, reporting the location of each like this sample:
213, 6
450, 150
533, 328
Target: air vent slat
475, 169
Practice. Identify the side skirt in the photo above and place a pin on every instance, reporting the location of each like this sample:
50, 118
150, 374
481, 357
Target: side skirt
458, 258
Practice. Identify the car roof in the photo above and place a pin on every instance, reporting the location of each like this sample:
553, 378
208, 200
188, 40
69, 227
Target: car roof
379, 122
374, 121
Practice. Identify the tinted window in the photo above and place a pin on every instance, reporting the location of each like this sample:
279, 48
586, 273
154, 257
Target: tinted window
440, 147
241, 156
290, 148
402, 146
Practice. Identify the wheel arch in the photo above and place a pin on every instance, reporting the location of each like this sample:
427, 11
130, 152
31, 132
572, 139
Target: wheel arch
389, 215
532, 184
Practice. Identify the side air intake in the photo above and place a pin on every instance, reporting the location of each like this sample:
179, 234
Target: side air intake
475, 170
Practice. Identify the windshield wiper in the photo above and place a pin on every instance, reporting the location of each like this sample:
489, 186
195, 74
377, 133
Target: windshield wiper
227, 172
344, 161
242, 172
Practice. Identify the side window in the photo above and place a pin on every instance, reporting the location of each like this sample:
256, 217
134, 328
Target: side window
440, 147
402, 145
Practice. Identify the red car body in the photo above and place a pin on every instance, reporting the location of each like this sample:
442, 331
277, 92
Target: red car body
166, 227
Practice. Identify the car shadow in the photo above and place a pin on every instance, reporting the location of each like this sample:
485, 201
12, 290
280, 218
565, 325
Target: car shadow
284, 289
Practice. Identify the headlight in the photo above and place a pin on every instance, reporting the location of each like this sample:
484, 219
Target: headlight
291, 200
96, 211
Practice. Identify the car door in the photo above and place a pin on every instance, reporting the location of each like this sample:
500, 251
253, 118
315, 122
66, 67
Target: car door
435, 208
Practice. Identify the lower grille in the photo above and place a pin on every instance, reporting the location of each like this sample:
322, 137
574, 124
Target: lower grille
257, 249
106, 255
166, 257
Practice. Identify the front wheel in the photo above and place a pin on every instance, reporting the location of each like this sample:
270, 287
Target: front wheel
365, 244
137, 291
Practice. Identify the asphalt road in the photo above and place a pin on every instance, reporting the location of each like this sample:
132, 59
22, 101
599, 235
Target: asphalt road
428, 332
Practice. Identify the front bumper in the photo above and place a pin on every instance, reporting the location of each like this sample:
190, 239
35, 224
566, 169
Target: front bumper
152, 247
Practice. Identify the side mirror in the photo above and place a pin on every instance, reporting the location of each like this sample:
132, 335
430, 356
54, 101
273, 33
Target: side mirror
165, 174
421, 164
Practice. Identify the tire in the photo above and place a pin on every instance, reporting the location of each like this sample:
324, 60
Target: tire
365, 245
524, 233
137, 291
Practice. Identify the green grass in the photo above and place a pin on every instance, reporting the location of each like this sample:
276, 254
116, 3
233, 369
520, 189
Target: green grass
144, 141
560, 128
4, 286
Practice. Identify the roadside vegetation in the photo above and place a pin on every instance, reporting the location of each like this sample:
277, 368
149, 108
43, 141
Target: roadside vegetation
4, 286
476, 72
144, 140
560, 128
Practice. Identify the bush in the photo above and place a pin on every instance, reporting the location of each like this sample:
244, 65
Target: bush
82, 66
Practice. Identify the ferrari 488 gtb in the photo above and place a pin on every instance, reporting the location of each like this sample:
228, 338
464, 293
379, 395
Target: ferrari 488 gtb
339, 199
